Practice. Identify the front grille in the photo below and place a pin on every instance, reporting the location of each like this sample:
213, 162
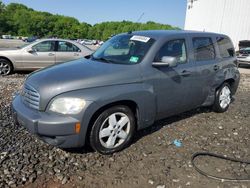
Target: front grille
30, 97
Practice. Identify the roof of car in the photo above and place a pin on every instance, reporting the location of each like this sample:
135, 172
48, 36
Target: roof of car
165, 33
56, 39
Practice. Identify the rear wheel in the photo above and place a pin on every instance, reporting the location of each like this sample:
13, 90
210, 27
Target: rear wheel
113, 130
223, 98
5, 67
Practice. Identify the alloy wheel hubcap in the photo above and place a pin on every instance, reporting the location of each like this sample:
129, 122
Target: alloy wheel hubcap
225, 97
4, 68
114, 130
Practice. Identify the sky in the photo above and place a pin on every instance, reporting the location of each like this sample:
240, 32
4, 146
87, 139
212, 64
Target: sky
95, 11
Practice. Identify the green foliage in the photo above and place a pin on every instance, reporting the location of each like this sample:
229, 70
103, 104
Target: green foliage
17, 19
2, 18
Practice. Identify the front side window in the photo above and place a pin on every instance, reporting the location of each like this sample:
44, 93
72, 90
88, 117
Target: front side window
173, 48
64, 46
225, 47
203, 49
124, 49
45, 46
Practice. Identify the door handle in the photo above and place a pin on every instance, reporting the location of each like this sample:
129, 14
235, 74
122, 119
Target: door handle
186, 73
216, 67
51, 54
75, 54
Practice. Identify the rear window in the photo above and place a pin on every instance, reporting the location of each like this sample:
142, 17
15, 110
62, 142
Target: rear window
203, 49
225, 47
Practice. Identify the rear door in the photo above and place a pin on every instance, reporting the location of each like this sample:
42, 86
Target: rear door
205, 58
43, 55
67, 51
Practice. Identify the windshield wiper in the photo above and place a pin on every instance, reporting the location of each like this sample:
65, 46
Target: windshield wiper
103, 59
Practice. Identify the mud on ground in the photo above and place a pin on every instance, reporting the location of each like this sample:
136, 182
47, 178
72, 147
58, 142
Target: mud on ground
151, 161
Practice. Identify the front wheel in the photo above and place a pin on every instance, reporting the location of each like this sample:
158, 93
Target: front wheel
113, 130
223, 98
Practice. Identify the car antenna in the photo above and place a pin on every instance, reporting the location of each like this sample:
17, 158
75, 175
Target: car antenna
140, 17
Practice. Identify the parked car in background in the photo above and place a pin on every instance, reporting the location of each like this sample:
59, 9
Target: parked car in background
88, 42
244, 56
41, 54
30, 39
131, 81
7, 37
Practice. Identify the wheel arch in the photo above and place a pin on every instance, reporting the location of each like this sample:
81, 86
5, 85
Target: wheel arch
8, 59
230, 76
129, 103
233, 84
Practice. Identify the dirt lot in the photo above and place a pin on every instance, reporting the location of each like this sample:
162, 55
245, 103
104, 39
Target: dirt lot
151, 161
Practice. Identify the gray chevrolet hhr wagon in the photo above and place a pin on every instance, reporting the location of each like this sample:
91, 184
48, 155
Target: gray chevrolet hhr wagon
131, 81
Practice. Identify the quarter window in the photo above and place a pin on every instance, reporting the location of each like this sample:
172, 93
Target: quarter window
203, 49
64, 46
173, 48
225, 47
45, 46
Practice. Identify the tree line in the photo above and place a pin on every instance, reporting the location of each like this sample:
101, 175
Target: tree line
19, 20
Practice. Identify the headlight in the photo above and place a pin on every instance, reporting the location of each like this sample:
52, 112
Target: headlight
67, 105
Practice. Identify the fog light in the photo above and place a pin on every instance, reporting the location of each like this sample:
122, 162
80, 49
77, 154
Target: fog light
77, 128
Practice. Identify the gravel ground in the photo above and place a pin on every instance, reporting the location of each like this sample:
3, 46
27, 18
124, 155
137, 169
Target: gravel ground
151, 161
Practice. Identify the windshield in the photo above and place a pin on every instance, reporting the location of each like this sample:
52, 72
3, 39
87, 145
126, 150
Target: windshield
124, 49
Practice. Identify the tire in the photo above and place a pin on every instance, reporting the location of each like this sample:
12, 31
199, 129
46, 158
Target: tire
113, 130
6, 67
223, 98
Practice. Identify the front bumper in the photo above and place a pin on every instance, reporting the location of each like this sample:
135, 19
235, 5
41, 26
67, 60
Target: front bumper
55, 129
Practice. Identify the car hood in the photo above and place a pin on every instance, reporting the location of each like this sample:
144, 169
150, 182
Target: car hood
80, 74
8, 50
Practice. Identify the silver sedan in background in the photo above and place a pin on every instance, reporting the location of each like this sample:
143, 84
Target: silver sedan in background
41, 54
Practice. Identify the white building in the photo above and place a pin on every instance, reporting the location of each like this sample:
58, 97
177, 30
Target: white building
230, 17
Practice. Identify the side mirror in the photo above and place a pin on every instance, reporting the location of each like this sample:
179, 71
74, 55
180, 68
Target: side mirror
31, 50
166, 61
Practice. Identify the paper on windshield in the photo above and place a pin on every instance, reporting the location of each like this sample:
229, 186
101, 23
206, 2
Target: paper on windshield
140, 38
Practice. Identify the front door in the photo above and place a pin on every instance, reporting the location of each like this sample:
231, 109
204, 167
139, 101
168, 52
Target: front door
176, 87
42, 55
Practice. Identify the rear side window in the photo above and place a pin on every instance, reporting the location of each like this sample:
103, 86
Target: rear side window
225, 47
173, 48
64, 46
203, 49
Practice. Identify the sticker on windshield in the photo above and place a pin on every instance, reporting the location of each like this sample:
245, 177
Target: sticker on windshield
134, 59
140, 38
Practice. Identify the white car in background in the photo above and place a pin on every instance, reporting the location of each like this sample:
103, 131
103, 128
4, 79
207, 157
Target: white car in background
88, 42
244, 56
41, 54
